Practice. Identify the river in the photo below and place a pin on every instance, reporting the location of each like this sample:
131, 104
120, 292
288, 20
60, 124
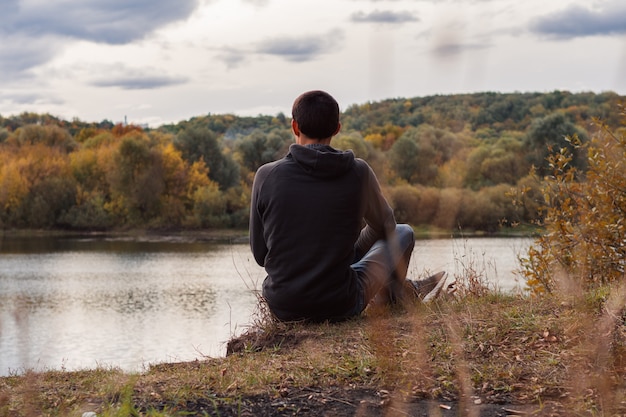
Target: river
76, 303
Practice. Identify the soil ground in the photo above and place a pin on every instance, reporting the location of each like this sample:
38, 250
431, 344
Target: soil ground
350, 402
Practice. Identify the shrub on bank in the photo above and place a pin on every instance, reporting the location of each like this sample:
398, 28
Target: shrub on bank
585, 239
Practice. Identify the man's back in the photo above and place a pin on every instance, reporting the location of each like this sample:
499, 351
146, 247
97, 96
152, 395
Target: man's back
306, 224
310, 206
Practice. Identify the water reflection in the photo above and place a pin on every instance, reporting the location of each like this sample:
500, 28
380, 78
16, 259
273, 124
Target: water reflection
496, 259
79, 303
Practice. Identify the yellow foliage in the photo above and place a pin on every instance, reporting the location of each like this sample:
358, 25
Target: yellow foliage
585, 237
376, 139
13, 186
452, 173
182, 178
209, 205
198, 178
25, 166
86, 168
174, 171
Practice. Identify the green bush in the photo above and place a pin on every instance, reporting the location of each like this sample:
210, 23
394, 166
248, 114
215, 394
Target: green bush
48, 201
88, 213
210, 207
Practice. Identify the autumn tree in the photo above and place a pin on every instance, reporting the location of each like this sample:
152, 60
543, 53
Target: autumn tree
585, 239
136, 179
403, 159
352, 141
416, 205
90, 165
417, 155
48, 135
503, 162
35, 186
182, 182
13, 185
258, 147
199, 143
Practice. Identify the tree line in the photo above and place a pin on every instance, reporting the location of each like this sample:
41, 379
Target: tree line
473, 161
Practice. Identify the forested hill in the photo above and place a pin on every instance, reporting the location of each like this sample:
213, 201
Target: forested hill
498, 111
445, 161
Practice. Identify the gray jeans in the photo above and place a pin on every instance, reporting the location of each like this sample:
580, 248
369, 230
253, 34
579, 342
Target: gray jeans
383, 268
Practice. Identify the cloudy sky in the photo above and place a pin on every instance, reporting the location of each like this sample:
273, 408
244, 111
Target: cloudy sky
162, 61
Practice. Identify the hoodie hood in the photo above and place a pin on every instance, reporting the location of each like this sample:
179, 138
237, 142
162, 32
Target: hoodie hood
322, 161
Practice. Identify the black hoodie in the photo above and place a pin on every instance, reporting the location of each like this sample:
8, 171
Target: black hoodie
306, 216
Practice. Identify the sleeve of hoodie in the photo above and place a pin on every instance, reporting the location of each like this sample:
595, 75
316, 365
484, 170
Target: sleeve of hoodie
378, 216
257, 239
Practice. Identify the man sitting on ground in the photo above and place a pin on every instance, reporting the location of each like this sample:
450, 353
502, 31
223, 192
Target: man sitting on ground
306, 226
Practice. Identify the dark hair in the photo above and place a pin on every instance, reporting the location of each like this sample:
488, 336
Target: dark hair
317, 114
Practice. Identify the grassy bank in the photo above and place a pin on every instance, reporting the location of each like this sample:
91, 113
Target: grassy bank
491, 354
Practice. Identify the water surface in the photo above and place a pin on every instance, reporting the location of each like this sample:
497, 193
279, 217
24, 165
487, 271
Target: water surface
73, 303
76, 303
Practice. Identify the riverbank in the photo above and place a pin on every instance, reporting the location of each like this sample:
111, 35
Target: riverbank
241, 235
204, 235
491, 355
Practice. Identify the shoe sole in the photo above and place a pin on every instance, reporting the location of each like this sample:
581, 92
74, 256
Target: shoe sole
434, 293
